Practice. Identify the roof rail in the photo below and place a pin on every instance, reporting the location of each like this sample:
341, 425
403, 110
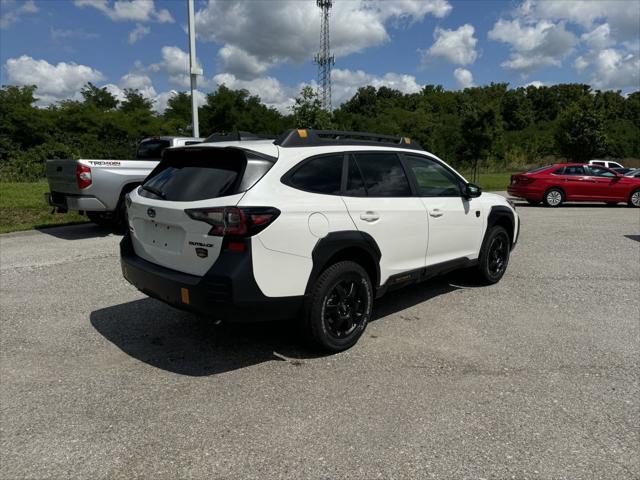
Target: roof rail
304, 137
237, 136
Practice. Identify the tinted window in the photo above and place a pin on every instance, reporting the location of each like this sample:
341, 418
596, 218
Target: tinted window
574, 170
559, 171
433, 179
615, 165
383, 175
319, 175
187, 176
597, 163
355, 183
152, 149
600, 172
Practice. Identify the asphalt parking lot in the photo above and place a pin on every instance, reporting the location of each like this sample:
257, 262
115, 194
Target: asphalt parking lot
535, 377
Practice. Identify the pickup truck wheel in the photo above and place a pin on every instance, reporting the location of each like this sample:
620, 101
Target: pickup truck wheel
494, 255
339, 307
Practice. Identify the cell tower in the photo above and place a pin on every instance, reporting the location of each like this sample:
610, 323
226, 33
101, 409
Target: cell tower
323, 58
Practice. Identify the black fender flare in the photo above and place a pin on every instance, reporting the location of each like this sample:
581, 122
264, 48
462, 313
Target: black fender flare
500, 214
336, 242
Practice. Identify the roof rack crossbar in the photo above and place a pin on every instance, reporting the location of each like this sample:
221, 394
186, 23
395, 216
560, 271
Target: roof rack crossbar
236, 136
318, 138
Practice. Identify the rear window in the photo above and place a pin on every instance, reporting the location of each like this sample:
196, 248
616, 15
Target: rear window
539, 169
199, 174
152, 149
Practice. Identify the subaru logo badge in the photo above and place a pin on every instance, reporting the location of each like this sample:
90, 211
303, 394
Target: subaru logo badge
151, 212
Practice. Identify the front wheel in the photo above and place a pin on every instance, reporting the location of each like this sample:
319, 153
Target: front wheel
339, 307
494, 255
634, 199
553, 198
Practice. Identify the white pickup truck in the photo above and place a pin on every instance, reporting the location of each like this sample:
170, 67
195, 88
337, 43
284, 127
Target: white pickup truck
97, 187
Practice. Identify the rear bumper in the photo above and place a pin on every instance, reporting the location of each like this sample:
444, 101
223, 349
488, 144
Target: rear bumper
528, 193
226, 292
64, 202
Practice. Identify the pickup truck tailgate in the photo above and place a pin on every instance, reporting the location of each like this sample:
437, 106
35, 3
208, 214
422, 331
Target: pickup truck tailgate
61, 175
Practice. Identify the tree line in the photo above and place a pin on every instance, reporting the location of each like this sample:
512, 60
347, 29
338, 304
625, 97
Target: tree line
499, 127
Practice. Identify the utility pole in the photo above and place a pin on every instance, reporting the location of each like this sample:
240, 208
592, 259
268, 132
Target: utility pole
323, 58
194, 71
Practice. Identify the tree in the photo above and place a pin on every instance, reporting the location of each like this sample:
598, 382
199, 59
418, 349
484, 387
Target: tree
98, 97
308, 111
134, 101
178, 113
481, 130
580, 132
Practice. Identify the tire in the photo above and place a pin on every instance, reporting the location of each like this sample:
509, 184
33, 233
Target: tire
634, 198
533, 202
494, 259
554, 197
335, 315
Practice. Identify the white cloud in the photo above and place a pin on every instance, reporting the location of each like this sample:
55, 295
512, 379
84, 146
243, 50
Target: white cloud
12, 11
72, 34
623, 16
125, 10
237, 61
138, 32
456, 46
464, 77
599, 37
257, 34
615, 69
535, 46
580, 63
269, 89
175, 63
140, 82
535, 83
54, 82
345, 83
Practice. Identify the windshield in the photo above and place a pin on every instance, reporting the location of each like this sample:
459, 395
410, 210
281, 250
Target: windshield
152, 149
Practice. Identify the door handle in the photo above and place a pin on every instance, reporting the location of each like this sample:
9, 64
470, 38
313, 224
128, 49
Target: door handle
436, 212
369, 216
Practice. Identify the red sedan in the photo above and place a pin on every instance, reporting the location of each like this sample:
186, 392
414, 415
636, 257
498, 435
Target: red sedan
574, 182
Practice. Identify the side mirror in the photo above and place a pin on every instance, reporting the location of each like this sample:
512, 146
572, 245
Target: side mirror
472, 191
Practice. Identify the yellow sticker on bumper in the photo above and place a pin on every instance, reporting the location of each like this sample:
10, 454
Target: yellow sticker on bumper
184, 292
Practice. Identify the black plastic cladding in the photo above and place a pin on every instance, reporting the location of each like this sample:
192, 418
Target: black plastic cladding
498, 212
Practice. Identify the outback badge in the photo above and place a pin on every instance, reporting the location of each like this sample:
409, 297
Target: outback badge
202, 252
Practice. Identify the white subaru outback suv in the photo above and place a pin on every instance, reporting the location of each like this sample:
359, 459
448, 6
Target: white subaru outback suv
314, 225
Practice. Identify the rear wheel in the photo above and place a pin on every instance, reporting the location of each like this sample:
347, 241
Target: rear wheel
339, 307
554, 197
634, 199
494, 255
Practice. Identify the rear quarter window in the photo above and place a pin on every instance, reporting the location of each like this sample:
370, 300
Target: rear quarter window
318, 175
152, 149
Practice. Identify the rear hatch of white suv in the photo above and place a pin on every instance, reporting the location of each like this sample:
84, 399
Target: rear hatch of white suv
186, 212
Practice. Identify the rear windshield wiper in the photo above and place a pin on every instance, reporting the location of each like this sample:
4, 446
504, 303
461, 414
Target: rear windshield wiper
155, 191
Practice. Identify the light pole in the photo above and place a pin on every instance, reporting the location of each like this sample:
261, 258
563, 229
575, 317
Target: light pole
194, 71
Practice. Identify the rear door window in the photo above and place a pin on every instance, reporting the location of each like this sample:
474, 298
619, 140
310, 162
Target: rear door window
319, 175
574, 170
152, 149
199, 174
600, 172
383, 175
355, 183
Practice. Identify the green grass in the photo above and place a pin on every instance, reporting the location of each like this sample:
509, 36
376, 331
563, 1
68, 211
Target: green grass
491, 182
23, 207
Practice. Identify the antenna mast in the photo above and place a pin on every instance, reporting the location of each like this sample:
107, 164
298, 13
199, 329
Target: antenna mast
323, 58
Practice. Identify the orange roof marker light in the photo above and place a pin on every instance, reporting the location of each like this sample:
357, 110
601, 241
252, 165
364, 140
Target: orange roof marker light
302, 133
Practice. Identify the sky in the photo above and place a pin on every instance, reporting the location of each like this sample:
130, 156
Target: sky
266, 46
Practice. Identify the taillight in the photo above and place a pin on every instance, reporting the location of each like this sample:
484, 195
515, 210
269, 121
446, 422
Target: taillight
83, 176
234, 221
